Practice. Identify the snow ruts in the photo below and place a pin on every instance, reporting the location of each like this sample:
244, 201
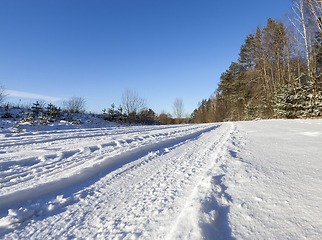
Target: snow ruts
208, 203
153, 183
35, 176
12, 139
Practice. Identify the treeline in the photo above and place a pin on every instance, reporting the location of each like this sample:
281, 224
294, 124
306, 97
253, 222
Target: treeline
145, 116
277, 73
132, 110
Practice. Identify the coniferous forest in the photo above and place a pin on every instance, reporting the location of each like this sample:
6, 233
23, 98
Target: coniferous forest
278, 73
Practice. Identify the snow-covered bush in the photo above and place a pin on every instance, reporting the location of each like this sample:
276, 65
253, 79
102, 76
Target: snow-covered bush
298, 101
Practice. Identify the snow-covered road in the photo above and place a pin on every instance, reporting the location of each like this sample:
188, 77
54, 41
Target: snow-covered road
247, 180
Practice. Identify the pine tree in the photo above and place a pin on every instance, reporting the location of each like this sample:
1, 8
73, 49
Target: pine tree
36, 109
53, 112
7, 113
246, 55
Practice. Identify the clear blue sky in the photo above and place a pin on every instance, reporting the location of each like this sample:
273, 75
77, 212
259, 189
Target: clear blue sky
96, 49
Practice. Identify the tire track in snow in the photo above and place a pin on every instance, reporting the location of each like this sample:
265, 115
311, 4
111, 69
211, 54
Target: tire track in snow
136, 208
104, 164
26, 169
208, 202
136, 199
52, 136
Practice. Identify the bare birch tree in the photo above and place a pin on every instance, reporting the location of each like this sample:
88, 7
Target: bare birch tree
315, 8
178, 108
3, 94
300, 22
132, 103
74, 105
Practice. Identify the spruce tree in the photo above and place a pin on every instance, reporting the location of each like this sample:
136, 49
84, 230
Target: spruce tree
36, 109
53, 112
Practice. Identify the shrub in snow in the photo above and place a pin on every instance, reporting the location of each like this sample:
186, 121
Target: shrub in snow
28, 117
7, 113
53, 113
114, 115
17, 126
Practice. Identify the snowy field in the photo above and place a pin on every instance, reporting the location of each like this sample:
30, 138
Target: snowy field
240, 180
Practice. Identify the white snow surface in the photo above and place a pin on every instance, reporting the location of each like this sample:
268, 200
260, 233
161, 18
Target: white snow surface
234, 180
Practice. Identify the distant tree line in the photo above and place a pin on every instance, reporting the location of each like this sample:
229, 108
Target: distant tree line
145, 116
133, 110
277, 74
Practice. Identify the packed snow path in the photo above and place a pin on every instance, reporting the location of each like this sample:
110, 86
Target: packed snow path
248, 180
110, 184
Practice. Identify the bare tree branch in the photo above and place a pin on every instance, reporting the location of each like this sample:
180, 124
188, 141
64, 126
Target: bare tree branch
300, 24
178, 107
3, 94
132, 103
74, 105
